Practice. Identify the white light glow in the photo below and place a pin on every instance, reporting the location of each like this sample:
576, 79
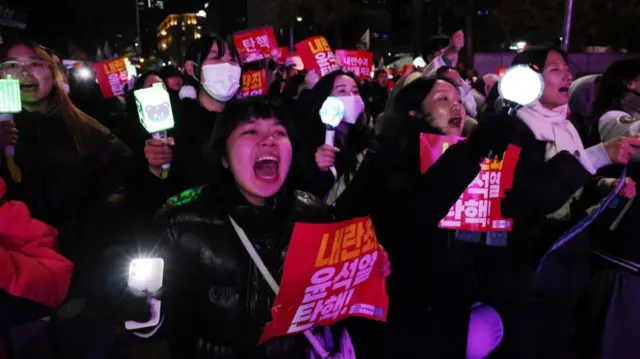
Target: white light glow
419, 62
332, 111
299, 19
140, 269
84, 73
201, 13
521, 84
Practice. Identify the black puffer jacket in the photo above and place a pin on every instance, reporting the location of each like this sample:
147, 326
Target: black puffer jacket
215, 299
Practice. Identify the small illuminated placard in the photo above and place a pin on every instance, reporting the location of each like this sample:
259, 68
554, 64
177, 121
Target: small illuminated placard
132, 71
332, 111
154, 108
10, 96
521, 84
419, 62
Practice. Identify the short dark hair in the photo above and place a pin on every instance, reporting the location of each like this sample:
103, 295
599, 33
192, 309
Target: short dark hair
199, 49
236, 113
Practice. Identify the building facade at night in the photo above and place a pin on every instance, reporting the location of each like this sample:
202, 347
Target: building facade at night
175, 33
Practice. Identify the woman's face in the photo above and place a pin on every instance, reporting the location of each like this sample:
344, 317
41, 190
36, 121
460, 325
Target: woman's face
344, 85
153, 79
259, 155
557, 80
36, 79
444, 109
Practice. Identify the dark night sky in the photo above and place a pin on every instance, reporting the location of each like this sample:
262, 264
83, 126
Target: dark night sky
85, 22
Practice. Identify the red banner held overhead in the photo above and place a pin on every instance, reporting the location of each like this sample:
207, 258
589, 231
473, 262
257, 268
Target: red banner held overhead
112, 76
330, 273
254, 83
256, 44
355, 61
478, 208
316, 55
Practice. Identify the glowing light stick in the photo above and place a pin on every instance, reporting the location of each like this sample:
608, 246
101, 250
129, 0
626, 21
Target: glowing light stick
9, 104
154, 111
520, 86
331, 114
145, 275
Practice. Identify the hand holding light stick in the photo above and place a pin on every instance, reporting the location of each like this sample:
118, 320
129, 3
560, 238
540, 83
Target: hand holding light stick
154, 111
9, 104
331, 114
146, 275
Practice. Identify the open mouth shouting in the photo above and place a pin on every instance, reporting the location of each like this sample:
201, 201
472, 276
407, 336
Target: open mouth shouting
29, 86
267, 168
455, 122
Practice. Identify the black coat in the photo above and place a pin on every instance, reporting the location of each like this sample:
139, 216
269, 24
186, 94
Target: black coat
79, 193
215, 299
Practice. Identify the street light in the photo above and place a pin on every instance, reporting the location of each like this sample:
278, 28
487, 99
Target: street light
201, 13
299, 19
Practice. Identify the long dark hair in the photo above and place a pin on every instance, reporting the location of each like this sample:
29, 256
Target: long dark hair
237, 112
80, 125
612, 86
537, 56
359, 137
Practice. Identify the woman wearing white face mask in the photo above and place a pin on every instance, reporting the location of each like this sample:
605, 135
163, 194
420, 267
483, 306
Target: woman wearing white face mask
213, 67
335, 166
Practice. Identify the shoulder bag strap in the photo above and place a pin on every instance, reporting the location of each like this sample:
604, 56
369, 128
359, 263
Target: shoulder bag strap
317, 347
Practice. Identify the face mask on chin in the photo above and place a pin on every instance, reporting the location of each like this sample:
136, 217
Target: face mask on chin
353, 108
221, 81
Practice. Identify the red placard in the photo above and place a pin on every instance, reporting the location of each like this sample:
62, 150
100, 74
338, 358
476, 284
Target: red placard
330, 273
280, 55
254, 83
478, 208
255, 44
356, 62
112, 77
316, 55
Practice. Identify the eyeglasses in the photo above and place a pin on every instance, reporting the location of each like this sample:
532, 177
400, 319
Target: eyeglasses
15, 68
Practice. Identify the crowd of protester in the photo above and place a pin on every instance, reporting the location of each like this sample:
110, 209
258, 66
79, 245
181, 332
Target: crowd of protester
88, 189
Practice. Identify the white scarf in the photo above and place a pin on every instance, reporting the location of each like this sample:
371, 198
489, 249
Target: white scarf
552, 126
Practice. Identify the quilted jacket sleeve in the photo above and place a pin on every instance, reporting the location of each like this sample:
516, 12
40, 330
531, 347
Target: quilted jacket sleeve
30, 267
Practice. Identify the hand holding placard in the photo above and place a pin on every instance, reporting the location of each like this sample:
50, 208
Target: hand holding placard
154, 111
10, 104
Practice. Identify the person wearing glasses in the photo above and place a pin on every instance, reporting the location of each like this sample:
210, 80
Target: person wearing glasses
68, 169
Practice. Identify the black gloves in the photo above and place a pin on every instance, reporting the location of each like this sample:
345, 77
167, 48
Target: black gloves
492, 136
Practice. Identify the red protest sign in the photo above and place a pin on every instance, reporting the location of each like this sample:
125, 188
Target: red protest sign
255, 44
254, 83
329, 275
478, 208
280, 55
316, 54
112, 77
357, 62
